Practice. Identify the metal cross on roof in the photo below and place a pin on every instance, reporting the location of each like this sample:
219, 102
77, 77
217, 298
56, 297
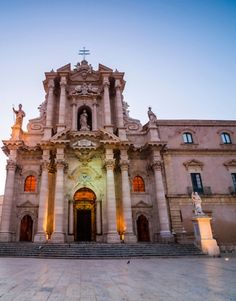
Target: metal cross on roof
84, 52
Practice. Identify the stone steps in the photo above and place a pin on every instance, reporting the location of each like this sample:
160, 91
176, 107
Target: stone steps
96, 250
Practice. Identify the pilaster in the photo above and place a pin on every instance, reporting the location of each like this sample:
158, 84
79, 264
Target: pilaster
165, 233
5, 232
107, 107
119, 111
49, 112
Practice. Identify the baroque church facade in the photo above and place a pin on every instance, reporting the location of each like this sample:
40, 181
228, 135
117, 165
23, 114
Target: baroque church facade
86, 171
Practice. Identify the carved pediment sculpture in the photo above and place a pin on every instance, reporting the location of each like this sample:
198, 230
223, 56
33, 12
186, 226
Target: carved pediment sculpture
85, 89
83, 143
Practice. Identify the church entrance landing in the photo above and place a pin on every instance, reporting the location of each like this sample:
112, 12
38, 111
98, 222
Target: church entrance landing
84, 215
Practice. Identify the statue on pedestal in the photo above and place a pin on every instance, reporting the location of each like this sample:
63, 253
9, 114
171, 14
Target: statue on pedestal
197, 202
20, 114
152, 117
84, 121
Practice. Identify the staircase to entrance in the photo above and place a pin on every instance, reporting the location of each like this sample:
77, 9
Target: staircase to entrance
96, 250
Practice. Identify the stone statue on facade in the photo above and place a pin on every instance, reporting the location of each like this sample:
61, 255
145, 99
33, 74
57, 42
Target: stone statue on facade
197, 202
152, 117
84, 121
20, 114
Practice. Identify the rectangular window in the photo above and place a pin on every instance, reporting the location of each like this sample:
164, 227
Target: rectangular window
197, 182
234, 180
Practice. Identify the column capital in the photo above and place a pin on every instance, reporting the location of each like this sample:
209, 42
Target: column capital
11, 165
60, 164
51, 84
45, 165
117, 84
63, 81
156, 165
109, 164
124, 164
106, 82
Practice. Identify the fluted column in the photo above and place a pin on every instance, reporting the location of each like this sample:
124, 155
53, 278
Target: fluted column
49, 113
58, 235
126, 203
94, 123
165, 233
107, 106
5, 232
41, 235
112, 234
62, 106
119, 111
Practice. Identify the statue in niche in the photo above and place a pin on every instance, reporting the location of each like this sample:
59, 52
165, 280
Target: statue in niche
152, 117
84, 121
197, 202
20, 114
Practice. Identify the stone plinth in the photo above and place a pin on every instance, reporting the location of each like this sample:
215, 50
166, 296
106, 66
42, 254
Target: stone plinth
203, 235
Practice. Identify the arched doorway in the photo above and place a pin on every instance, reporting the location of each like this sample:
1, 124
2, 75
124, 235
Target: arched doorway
26, 227
143, 228
84, 215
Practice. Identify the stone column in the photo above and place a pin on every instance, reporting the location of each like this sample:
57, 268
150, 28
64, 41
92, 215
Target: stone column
165, 234
107, 106
41, 235
94, 125
62, 107
49, 112
98, 218
5, 232
112, 234
119, 111
74, 119
126, 202
58, 235
71, 217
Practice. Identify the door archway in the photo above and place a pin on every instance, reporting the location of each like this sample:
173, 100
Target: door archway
26, 228
143, 228
84, 215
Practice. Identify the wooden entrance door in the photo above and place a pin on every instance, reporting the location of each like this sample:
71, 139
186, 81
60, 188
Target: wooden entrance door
84, 228
143, 228
26, 228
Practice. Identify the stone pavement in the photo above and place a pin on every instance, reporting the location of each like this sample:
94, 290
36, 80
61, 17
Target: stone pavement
178, 279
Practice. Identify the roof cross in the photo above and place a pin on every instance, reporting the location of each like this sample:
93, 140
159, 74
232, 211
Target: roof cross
84, 52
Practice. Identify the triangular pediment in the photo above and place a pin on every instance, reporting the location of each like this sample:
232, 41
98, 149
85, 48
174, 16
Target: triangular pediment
142, 204
104, 68
230, 163
193, 163
65, 68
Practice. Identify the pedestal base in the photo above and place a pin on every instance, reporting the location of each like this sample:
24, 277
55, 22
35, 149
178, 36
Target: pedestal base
58, 238
166, 237
6, 236
40, 237
130, 238
113, 238
203, 235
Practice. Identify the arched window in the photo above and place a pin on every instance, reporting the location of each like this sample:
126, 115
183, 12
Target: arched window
226, 138
138, 184
30, 184
187, 137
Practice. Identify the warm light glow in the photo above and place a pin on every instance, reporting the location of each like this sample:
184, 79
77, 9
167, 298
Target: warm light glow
84, 194
30, 184
138, 184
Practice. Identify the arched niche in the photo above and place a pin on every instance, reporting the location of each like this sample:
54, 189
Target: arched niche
87, 110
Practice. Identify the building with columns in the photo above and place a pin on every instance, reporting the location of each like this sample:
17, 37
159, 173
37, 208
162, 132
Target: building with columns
86, 171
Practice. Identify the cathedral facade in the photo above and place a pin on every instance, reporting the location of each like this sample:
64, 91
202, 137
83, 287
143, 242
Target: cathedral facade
86, 171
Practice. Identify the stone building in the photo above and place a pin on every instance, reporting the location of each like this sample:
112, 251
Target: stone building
86, 171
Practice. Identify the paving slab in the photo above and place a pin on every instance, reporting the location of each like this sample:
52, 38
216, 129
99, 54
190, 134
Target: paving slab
157, 279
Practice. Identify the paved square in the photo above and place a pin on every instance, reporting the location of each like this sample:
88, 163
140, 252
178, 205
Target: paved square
178, 279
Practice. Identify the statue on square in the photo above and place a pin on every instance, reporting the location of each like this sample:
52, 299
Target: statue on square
20, 114
84, 121
197, 202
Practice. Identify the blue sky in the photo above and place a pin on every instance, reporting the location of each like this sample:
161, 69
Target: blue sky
178, 56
